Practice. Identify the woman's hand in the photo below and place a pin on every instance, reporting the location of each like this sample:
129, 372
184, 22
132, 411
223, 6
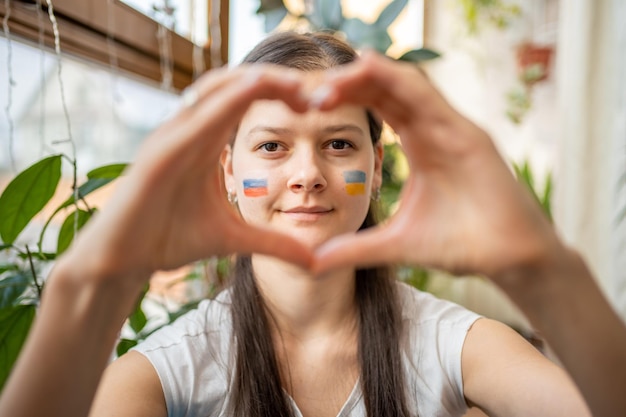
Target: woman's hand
171, 208
461, 208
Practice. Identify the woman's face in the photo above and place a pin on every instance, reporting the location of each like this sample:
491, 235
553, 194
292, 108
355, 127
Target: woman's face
307, 175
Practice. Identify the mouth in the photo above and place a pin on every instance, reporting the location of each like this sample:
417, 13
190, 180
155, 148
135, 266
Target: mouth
303, 213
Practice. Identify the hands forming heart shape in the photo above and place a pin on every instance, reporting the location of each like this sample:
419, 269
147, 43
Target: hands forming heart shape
461, 209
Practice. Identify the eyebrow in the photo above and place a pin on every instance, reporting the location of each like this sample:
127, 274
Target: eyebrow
285, 131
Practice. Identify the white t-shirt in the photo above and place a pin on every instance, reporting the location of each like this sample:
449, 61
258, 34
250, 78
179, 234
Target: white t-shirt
193, 358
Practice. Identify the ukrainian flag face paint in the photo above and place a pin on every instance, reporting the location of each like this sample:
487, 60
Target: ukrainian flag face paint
355, 182
255, 187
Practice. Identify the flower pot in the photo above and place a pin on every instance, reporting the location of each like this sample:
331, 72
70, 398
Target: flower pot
535, 59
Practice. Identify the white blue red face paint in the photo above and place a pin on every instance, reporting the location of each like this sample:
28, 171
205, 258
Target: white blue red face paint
355, 182
255, 187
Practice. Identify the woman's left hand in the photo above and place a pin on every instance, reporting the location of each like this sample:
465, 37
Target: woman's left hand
460, 207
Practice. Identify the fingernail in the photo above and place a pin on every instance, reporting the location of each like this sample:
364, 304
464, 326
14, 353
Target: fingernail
189, 97
252, 77
319, 96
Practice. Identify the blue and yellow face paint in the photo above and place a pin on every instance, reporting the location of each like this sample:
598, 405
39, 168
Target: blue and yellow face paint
254, 187
355, 182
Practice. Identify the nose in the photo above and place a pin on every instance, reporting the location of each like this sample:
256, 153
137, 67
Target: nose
306, 172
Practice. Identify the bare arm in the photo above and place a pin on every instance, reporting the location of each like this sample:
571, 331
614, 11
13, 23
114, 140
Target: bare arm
506, 376
171, 210
130, 387
69, 345
463, 211
563, 302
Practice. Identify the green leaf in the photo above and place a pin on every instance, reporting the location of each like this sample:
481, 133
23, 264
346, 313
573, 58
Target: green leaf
361, 34
5, 246
390, 13
137, 320
416, 277
269, 5
15, 324
124, 346
419, 55
12, 287
41, 256
184, 309
107, 171
546, 200
97, 178
8, 267
75, 220
326, 15
26, 195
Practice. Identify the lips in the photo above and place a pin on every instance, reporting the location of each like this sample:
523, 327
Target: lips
304, 213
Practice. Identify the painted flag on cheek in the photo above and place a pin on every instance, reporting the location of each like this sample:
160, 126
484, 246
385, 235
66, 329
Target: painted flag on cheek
355, 182
255, 187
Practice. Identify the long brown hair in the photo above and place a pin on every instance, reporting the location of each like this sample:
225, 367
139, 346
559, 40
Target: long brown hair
257, 389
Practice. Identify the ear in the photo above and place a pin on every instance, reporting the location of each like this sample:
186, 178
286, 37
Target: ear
226, 160
379, 153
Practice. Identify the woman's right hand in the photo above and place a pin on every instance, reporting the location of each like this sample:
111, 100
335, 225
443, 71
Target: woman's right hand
171, 208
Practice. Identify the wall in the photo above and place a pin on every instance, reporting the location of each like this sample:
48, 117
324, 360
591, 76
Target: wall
475, 73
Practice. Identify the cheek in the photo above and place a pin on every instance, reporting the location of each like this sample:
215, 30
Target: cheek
355, 195
253, 184
254, 187
254, 190
355, 181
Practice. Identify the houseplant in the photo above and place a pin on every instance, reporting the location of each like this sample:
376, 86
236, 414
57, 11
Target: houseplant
23, 263
328, 15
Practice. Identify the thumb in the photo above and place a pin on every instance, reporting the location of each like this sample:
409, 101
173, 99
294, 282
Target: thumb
363, 249
251, 239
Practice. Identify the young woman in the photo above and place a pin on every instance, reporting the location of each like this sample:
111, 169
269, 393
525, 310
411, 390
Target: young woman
301, 331
284, 342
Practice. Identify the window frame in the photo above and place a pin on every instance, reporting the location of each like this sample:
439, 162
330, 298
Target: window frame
130, 42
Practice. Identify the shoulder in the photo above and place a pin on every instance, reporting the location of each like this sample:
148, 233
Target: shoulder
129, 387
192, 357
505, 375
210, 318
424, 309
435, 331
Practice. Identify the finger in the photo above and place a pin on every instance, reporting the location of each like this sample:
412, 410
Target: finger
371, 80
368, 248
206, 127
397, 88
219, 113
245, 76
246, 239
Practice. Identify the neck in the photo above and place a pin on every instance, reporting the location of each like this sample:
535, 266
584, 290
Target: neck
303, 306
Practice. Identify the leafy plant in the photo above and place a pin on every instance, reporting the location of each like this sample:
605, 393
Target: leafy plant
212, 273
328, 15
519, 99
498, 13
22, 269
543, 196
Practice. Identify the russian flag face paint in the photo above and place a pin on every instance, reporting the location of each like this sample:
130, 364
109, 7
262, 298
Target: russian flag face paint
355, 182
254, 187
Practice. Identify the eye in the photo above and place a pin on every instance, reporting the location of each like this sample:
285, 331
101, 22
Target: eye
339, 144
270, 147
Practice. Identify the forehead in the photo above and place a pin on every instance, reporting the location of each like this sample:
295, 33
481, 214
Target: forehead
277, 114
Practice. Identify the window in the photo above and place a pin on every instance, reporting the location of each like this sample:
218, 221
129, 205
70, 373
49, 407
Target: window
111, 31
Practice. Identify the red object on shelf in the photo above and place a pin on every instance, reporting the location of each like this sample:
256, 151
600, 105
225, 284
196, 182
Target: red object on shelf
529, 54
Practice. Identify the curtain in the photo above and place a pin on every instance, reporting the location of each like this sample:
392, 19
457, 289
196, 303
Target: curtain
591, 185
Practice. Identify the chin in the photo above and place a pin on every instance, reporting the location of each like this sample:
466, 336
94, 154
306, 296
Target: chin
312, 240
